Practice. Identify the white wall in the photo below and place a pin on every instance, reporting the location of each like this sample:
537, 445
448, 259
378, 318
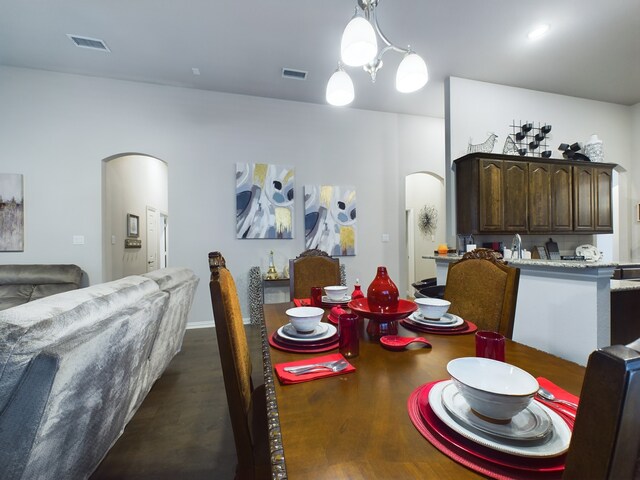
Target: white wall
476, 108
57, 128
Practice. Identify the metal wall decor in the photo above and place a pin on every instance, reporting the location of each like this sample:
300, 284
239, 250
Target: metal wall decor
528, 140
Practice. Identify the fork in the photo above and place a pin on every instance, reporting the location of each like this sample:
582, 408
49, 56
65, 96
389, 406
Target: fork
304, 368
338, 367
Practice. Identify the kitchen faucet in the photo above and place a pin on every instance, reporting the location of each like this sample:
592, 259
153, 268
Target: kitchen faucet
516, 246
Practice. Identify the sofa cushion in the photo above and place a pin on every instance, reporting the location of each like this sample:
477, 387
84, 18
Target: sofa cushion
26, 329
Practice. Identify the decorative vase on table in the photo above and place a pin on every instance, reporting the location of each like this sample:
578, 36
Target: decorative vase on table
382, 297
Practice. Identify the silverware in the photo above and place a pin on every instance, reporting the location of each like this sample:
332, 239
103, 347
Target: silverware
547, 395
305, 368
338, 367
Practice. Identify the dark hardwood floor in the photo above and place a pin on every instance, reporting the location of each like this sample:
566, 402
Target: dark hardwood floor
182, 429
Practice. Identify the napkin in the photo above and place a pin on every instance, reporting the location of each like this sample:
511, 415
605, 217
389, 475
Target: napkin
287, 378
302, 302
560, 408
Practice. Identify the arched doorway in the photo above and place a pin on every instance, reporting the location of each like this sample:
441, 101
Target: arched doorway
135, 215
423, 189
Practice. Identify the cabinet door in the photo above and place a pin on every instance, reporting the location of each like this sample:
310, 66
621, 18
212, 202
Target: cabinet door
540, 197
561, 199
583, 198
491, 194
602, 207
515, 196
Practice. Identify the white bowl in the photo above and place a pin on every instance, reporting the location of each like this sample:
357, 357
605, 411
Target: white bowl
305, 319
336, 292
491, 388
433, 308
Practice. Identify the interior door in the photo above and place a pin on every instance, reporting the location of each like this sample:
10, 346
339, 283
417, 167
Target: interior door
152, 239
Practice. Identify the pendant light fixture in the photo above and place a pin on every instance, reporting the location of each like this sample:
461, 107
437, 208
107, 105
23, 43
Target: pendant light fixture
359, 47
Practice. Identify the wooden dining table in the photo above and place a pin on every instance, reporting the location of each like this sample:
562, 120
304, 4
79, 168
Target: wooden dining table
356, 425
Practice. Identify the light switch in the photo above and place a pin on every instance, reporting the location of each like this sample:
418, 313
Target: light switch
385, 237
78, 239
113, 239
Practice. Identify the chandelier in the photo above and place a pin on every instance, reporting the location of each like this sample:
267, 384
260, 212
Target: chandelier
359, 48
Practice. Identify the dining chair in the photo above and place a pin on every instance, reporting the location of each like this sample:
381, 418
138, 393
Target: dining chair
247, 405
605, 443
312, 268
483, 290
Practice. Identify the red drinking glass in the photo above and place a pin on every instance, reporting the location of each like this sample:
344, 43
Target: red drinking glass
490, 345
349, 339
316, 297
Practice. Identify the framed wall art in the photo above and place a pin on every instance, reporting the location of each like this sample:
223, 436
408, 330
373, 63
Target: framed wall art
330, 222
133, 225
11, 213
264, 201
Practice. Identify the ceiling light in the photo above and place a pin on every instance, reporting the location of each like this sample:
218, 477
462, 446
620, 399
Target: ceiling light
359, 47
538, 32
340, 88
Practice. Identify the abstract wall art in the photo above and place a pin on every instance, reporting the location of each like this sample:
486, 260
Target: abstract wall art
330, 219
11, 213
264, 200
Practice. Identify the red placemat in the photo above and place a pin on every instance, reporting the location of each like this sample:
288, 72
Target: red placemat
474, 456
471, 327
287, 378
287, 348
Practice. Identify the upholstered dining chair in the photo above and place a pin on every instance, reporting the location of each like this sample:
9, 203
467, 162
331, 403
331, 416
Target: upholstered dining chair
312, 268
605, 443
483, 290
247, 405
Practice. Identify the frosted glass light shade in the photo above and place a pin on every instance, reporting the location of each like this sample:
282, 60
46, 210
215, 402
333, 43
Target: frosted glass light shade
359, 45
412, 74
340, 89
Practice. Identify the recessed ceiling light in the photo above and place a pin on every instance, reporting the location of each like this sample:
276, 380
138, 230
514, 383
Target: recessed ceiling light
538, 32
196, 71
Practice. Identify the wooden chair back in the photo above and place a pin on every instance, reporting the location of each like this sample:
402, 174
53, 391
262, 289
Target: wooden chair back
605, 443
312, 268
483, 290
247, 405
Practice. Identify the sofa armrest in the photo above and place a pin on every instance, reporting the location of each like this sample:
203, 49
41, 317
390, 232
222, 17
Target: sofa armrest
20, 419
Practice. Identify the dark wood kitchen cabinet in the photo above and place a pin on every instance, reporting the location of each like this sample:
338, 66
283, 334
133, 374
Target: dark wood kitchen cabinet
504, 194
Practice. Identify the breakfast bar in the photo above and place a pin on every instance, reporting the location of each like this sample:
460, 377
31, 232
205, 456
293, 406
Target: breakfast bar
563, 307
357, 425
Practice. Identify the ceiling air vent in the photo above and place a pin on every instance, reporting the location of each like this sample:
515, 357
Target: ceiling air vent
291, 73
86, 42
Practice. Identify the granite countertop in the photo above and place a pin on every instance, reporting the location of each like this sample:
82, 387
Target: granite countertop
533, 262
623, 285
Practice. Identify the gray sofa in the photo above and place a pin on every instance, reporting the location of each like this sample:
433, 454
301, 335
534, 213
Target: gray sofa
75, 367
23, 283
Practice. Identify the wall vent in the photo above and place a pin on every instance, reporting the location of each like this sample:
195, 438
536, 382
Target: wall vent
292, 73
86, 42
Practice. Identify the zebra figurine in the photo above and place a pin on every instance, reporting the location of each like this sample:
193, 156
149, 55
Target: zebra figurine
484, 147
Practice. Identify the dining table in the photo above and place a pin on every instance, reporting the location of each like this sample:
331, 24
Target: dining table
356, 425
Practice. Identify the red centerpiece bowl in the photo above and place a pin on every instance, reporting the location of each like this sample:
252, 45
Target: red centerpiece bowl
382, 323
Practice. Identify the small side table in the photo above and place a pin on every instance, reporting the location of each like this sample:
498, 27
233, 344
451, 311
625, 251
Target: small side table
278, 282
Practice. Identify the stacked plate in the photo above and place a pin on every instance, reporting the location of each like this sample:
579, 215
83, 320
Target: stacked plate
329, 302
531, 445
447, 324
323, 338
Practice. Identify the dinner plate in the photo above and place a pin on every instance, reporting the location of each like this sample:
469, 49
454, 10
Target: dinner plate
340, 301
465, 328
311, 344
557, 444
327, 331
447, 320
301, 347
319, 331
533, 424
486, 461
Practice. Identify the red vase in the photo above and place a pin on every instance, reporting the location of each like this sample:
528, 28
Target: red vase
382, 294
357, 291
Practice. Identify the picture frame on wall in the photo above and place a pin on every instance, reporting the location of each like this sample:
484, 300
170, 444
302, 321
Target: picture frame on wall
133, 223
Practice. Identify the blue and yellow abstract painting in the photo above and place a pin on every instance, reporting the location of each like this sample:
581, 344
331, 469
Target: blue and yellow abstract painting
264, 200
330, 219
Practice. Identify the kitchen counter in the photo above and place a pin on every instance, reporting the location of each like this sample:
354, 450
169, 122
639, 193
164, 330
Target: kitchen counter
624, 285
563, 307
